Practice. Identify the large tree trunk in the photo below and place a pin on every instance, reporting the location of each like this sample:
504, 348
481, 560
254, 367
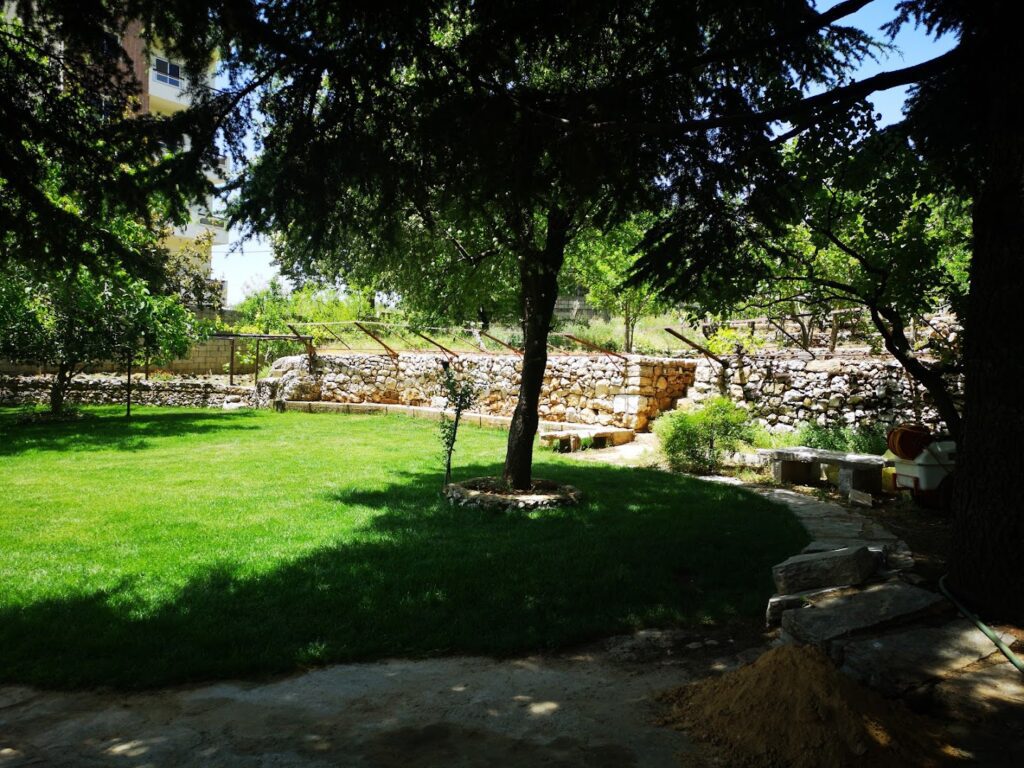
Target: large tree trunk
538, 273
988, 535
59, 387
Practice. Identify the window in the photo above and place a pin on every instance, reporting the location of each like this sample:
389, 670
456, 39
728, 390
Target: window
167, 72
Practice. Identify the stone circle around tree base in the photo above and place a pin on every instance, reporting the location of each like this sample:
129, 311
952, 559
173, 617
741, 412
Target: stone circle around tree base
492, 493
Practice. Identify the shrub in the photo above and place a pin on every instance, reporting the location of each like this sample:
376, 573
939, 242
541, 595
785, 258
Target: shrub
836, 437
695, 441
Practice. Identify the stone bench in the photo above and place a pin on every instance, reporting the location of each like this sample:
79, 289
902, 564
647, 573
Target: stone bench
857, 471
569, 440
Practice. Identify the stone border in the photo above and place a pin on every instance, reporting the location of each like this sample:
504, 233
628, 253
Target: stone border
458, 494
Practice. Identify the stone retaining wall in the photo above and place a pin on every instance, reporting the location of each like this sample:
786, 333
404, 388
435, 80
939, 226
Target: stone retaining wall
784, 392
577, 388
109, 390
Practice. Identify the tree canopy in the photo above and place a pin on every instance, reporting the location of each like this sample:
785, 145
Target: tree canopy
400, 144
75, 318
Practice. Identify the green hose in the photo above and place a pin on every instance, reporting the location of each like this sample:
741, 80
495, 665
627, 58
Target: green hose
1004, 649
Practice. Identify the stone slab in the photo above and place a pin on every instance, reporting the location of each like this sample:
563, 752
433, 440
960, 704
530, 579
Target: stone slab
862, 498
855, 478
995, 691
900, 661
891, 553
876, 607
850, 565
803, 454
779, 603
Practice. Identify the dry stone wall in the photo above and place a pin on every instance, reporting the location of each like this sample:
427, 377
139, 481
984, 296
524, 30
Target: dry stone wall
579, 389
107, 390
784, 392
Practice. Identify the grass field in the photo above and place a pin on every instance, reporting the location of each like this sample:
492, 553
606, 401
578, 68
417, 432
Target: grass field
196, 544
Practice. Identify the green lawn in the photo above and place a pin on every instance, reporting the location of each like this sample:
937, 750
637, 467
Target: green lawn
193, 544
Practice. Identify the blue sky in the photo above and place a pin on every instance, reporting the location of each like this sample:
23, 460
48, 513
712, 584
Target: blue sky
247, 265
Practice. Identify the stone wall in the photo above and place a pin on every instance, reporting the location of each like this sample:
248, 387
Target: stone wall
110, 390
783, 391
577, 388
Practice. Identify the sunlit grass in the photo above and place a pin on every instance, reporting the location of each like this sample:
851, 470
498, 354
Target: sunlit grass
192, 544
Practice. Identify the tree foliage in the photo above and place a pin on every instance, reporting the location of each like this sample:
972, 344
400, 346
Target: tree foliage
76, 318
74, 153
450, 146
604, 262
873, 228
697, 441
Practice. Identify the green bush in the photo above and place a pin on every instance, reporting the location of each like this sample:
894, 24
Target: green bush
695, 441
836, 437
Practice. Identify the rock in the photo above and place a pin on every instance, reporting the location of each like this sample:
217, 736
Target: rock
900, 661
876, 607
777, 604
850, 565
861, 498
827, 365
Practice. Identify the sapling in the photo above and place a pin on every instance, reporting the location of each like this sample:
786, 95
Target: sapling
461, 396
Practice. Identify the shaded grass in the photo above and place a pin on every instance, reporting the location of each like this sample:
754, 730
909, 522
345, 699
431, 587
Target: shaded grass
192, 544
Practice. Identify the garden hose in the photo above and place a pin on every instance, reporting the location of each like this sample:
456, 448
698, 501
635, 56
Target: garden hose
1003, 647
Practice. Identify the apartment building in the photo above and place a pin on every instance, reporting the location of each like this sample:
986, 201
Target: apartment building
164, 91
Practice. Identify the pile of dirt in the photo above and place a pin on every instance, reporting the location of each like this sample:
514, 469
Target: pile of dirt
792, 707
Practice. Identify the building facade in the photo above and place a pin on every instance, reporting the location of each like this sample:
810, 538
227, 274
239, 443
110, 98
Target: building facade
164, 90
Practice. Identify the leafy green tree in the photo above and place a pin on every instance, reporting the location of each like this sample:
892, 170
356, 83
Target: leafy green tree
74, 153
603, 264
873, 229
966, 116
76, 318
459, 126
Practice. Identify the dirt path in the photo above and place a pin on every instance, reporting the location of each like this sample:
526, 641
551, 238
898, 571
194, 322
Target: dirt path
591, 708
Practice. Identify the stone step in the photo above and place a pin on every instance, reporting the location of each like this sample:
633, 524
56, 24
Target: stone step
877, 607
897, 662
574, 439
831, 568
777, 604
892, 553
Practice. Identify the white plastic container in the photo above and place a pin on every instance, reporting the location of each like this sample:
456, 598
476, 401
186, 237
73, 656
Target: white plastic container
925, 473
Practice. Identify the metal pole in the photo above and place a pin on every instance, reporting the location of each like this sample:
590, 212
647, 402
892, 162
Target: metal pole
231, 365
485, 334
439, 346
324, 326
256, 364
698, 347
586, 343
370, 333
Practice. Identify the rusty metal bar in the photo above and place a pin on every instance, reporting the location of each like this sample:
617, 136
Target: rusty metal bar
231, 365
368, 332
256, 364
698, 347
324, 326
310, 351
451, 355
502, 343
586, 343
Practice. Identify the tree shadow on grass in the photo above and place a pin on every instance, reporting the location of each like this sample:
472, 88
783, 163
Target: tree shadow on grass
423, 578
109, 429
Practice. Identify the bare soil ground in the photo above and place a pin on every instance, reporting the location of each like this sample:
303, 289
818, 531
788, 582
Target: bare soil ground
594, 707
